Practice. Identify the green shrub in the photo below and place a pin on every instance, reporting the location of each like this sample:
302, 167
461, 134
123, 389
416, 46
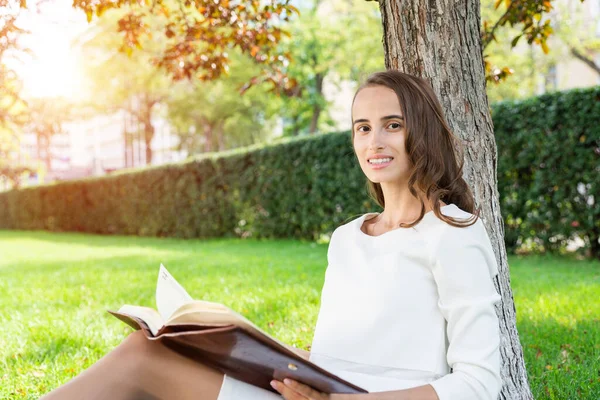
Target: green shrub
300, 188
548, 165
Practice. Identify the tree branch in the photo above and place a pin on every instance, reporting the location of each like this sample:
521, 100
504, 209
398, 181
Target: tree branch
501, 21
585, 59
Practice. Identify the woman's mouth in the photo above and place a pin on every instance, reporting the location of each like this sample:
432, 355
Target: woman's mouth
378, 163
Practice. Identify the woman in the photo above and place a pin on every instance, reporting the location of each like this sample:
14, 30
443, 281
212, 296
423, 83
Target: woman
407, 308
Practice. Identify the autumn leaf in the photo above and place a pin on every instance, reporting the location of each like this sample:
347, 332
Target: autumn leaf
294, 9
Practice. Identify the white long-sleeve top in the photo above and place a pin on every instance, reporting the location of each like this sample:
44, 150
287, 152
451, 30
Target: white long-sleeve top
412, 307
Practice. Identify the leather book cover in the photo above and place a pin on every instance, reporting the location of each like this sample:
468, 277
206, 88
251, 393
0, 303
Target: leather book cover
244, 355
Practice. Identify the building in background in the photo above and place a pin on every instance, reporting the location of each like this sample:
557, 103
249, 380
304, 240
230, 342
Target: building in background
95, 147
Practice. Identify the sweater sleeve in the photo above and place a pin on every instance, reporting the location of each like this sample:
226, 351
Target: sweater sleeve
463, 267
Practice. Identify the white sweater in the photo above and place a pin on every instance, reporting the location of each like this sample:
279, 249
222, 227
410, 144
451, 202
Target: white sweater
400, 309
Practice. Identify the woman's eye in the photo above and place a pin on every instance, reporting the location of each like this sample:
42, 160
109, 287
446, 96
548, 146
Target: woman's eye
395, 125
363, 129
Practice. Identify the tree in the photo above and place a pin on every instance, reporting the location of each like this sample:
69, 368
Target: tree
13, 109
331, 40
578, 31
121, 81
199, 33
430, 39
46, 119
212, 116
528, 16
523, 66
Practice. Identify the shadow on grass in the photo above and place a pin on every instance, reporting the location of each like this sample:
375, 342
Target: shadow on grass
102, 240
223, 264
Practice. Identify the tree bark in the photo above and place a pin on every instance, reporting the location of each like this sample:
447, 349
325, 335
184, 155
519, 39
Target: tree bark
441, 42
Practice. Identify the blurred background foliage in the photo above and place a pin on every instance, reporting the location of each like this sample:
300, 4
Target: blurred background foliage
225, 76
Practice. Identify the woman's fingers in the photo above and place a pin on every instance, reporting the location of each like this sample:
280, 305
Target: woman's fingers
293, 388
287, 392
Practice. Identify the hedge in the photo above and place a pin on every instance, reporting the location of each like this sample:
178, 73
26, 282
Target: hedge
548, 169
300, 188
548, 165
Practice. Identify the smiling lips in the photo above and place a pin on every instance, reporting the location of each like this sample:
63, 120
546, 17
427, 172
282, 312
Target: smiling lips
380, 162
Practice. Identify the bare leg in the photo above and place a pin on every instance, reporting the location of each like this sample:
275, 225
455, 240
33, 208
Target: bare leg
139, 369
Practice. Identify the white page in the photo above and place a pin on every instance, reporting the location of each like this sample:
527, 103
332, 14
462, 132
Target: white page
148, 315
170, 295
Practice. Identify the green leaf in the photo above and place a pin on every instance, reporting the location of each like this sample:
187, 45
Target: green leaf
515, 40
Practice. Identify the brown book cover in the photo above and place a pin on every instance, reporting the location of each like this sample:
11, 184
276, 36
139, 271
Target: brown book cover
217, 336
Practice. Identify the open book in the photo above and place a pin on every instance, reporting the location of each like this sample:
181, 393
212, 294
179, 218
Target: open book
217, 336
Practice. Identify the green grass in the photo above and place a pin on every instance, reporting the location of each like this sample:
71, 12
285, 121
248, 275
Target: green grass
558, 318
55, 288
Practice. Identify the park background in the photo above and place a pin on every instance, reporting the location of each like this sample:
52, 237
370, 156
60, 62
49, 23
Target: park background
96, 139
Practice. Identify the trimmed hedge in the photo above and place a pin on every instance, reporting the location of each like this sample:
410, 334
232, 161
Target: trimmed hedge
549, 159
548, 168
300, 188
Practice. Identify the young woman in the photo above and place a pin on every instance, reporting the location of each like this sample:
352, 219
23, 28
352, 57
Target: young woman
407, 308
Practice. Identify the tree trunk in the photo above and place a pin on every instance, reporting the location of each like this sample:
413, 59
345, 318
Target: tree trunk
208, 135
148, 136
441, 41
43, 150
314, 123
220, 136
148, 129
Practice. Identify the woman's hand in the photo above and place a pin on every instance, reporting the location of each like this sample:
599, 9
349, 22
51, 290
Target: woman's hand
292, 390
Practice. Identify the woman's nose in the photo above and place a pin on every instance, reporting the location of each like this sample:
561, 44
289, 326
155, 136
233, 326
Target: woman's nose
376, 140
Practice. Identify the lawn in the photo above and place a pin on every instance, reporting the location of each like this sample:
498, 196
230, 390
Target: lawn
55, 290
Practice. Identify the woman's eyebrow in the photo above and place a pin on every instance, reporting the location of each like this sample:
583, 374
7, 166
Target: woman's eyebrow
382, 118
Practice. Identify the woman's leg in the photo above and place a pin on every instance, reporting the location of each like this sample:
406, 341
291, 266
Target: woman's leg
140, 369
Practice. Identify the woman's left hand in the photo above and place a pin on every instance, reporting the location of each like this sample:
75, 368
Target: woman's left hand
292, 390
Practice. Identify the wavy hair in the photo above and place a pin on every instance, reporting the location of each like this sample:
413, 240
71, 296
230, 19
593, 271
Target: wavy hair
434, 152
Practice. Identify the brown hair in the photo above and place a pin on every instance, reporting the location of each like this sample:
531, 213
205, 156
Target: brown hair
431, 146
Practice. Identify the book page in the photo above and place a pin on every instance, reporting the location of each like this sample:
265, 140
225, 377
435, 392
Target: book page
170, 295
146, 314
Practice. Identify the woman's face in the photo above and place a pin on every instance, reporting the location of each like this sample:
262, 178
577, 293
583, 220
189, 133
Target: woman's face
378, 127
